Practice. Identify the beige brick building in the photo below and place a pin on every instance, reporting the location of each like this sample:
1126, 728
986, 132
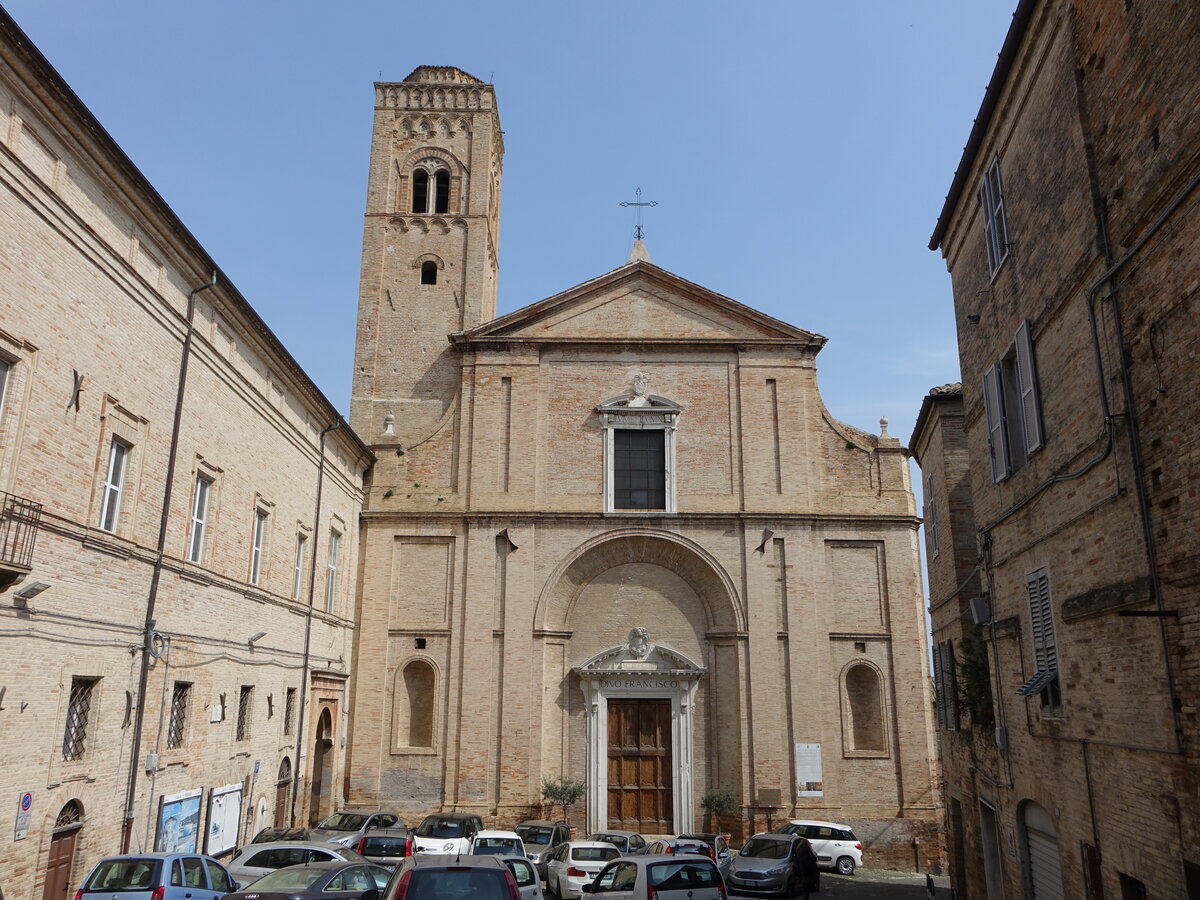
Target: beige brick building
1072, 239
615, 534
136, 488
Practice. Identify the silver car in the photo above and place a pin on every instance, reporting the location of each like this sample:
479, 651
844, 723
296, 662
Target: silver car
256, 860
347, 826
528, 882
682, 877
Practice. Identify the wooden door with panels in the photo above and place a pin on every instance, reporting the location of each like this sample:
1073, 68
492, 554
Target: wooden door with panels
640, 770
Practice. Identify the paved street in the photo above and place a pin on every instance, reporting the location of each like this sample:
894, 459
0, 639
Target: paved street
877, 884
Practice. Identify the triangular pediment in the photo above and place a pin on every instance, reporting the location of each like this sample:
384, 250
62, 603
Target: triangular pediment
639, 655
641, 302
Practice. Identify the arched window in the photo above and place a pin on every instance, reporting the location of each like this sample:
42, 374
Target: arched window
415, 705
430, 190
420, 191
865, 709
70, 814
429, 272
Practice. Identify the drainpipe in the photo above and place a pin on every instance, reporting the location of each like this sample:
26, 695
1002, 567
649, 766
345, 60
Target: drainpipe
148, 628
312, 581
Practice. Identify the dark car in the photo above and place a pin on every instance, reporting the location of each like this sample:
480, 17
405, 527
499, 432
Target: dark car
772, 864
386, 847
429, 876
715, 848
318, 881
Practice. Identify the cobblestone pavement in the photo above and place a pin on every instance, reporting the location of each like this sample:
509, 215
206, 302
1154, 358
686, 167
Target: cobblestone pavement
878, 884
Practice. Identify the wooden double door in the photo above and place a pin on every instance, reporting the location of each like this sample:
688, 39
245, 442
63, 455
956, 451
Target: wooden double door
640, 765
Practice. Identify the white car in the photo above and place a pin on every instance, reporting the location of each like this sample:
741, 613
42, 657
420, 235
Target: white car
446, 833
497, 843
666, 877
526, 876
575, 864
835, 845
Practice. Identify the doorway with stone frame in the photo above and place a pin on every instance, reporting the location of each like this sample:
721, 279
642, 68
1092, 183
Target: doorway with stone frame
640, 767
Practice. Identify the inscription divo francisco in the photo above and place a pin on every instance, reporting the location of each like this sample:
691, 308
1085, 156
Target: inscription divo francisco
639, 684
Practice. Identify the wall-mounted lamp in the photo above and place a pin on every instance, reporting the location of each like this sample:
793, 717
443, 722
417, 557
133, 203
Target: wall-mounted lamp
22, 597
255, 637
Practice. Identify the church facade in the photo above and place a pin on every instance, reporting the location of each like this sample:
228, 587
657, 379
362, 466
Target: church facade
614, 535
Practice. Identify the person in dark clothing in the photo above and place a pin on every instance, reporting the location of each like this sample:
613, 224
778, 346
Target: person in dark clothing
809, 876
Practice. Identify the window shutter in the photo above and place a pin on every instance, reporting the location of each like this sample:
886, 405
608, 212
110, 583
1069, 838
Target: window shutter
1044, 650
985, 204
993, 410
999, 225
1027, 382
950, 674
939, 686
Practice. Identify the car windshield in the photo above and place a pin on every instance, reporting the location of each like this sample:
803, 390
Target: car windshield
594, 854
496, 845
764, 848
125, 875
458, 881
440, 828
293, 878
535, 834
682, 876
344, 822
615, 839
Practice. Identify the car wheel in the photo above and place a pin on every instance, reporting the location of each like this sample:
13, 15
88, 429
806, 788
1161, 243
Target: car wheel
845, 865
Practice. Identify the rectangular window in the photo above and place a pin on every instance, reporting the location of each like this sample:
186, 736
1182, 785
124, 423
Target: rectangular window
298, 575
110, 504
639, 469
335, 541
945, 685
256, 549
931, 523
1045, 681
289, 710
245, 699
181, 697
1012, 406
199, 519
4, 367
79, 707
995, 226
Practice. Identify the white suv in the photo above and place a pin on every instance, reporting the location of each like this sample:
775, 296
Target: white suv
835, 845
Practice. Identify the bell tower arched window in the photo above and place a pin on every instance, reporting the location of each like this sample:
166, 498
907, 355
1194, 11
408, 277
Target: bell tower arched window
429, 272
430, 190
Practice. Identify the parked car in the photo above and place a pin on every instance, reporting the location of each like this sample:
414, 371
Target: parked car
446, 833
526, 876
271, 834
347, 827
256, 860
716, 848
835, 845
386, 847
683, 877
625, 841
161, 876
541, 839
574, 864
317, 881
497, 843
435, 876
769, 864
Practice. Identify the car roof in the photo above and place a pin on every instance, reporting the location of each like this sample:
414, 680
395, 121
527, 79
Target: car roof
589, 843
442, 860
451, 815
497, 833
542, 822
311, 845
402, 830
330, 864
617, 832
817, 822
157, 854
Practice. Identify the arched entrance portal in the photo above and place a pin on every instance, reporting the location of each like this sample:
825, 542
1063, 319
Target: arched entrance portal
647, 722
62, 851
283, 784
322, 768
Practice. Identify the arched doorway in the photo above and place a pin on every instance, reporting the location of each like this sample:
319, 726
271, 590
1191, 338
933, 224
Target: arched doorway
62, 851
322, 769
646, 622
1039, 839
283, 786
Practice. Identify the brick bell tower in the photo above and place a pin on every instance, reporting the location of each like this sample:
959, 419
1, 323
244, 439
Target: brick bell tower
429, 268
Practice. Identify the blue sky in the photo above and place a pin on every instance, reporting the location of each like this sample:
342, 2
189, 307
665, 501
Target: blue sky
800, 152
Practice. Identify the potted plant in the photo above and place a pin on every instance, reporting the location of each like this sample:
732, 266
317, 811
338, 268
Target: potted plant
718, 802
562, 790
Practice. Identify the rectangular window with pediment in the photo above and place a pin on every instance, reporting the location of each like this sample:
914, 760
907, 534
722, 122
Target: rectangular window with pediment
639, 453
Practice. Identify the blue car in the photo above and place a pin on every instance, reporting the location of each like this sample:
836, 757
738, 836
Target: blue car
157, 876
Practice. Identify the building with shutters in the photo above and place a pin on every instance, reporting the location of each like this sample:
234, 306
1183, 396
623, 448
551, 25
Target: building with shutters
178, 522
614, 535
1063, 566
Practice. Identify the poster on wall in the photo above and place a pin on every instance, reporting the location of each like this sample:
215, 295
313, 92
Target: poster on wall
808, 771
178, 822
224, 814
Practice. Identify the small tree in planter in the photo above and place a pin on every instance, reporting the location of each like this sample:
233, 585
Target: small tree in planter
718, 802
562, 790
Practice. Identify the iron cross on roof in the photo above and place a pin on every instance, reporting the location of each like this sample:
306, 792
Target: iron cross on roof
638, 203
